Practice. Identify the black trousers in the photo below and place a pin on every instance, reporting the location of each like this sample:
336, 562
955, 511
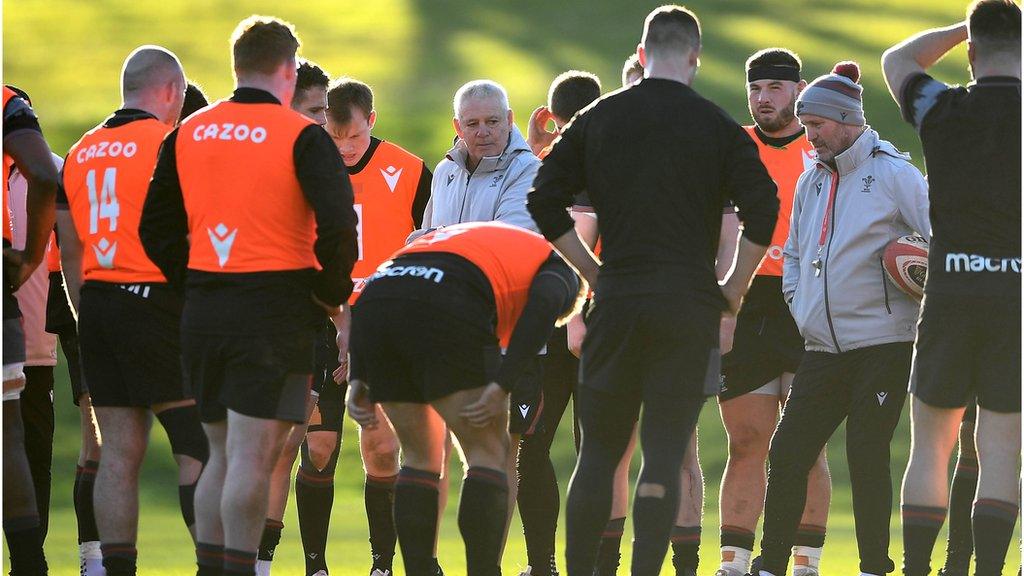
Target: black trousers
37, 417
867, 388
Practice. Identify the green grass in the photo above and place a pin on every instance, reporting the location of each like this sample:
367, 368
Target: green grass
67, 55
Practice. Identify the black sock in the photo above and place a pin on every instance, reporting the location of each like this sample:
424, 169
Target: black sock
25, 546
921, 525
993, 530
538, 503
736, 537
239, 562
810, 535
209, 559
314, 499
651, 517
960, 543
608, 553
119, 558
87, 531
685, 548
416, 519
379, 496
270, 539
483, 509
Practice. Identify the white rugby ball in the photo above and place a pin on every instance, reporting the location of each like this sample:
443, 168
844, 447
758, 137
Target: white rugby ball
905, 262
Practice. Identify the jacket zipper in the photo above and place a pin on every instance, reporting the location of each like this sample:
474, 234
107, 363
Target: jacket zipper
885, 285
465, 196
824, 266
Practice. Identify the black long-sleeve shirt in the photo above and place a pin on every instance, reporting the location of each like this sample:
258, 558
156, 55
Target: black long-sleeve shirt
658, 162
266, 302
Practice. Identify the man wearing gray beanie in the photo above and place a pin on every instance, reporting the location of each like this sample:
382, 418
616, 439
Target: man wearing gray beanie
861, 194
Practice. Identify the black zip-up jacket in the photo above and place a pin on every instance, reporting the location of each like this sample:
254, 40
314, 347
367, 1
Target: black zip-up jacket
257, 302
658, 162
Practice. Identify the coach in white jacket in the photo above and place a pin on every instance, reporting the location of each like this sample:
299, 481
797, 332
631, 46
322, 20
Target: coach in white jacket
489, 170
859, 330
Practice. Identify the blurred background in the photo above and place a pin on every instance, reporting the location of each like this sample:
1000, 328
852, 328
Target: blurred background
67, 55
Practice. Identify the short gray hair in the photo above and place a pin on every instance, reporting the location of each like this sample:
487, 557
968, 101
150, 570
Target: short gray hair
480, 89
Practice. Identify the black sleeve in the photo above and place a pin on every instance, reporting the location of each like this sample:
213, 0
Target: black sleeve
325, 184
18, 115
919, 95
419, 202
552, 293
559, 181
62, 194
748, 186
163, 227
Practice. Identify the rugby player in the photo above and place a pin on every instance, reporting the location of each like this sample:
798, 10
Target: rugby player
861, 194
538, 497
391, 188
969, 341
470, 287
310, 100
25, 149
194, 100
763, 346
230, 217
634, 353
128, 316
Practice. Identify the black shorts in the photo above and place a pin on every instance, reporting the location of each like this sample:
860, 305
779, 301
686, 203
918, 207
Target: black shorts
129, 338
652, 346
60, 321
968, 345
526, 402
413, 351
258, 375
764, 347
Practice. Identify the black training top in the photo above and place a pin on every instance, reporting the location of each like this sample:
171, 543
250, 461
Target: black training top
658, 162
972, 148
257, 302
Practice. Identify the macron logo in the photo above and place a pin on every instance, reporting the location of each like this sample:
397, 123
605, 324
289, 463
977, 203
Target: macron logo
978, 263
881, 397
105, 252
222, 240
524, 409
391, 176
809, 158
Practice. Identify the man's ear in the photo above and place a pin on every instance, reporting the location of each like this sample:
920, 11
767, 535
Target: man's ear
641, 54
457, 126
372, 119
510, 117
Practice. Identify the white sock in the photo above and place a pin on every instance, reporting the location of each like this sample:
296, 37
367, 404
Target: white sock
91, 559
763, 573
740, 559
262, 567
813, 556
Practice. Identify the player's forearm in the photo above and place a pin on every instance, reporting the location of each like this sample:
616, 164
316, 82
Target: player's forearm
928, 47
41, 214
748, 258
576, 253
728, 239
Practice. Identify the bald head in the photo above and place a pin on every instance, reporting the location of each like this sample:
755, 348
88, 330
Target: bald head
148, 67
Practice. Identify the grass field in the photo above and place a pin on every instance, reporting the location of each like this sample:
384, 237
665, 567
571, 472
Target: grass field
67, 55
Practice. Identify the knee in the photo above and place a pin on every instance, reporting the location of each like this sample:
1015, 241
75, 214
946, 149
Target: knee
380, 456
322, 447
185, 434
748, 446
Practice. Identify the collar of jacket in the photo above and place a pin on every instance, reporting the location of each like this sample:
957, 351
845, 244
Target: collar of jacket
865, 147
516, 145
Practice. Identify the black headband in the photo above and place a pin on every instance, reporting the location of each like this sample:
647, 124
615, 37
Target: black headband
773, 72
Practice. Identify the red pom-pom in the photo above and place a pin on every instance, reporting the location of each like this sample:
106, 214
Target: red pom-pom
849, 69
